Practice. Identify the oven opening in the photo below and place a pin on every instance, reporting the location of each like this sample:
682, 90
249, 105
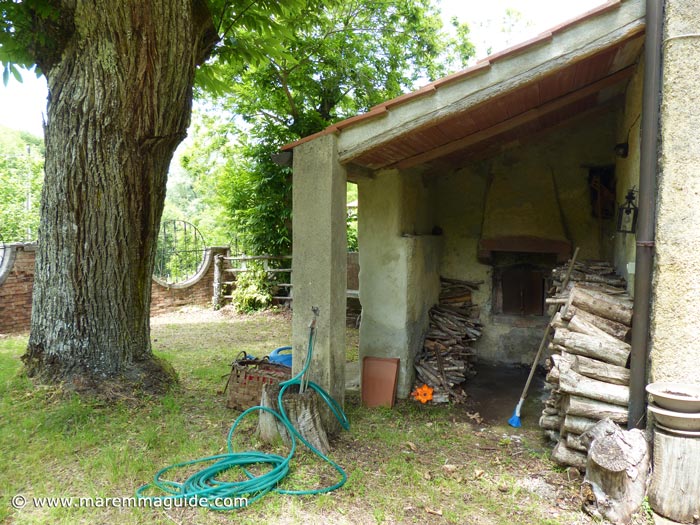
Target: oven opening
520, 284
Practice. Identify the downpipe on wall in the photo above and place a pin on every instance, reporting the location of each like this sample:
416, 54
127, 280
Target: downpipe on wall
644, 259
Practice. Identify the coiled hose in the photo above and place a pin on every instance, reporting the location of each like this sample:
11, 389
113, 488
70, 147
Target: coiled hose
205, 489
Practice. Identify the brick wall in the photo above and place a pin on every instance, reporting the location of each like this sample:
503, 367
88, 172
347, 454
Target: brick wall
17, 278
168, 298
353, 271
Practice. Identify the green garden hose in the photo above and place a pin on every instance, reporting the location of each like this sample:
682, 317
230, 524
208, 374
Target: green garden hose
204, 489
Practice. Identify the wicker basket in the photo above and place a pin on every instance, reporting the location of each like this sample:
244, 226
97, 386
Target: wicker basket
245, 383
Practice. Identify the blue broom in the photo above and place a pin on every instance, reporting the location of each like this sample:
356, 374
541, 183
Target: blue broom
514, 420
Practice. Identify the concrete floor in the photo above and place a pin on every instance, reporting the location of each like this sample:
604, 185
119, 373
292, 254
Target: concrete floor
493, 392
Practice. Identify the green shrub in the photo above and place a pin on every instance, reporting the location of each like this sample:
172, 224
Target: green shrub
252, 289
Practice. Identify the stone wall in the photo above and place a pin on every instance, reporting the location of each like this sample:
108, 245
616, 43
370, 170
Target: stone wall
17, 278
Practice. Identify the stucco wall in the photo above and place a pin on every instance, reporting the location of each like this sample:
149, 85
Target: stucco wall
627, 170
398, 268
675, 352
522, 200
554, 164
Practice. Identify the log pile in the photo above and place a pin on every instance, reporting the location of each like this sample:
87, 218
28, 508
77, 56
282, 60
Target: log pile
588, 374
447, 356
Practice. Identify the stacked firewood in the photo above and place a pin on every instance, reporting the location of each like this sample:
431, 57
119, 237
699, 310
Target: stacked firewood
446, 359
588, 375
599, 272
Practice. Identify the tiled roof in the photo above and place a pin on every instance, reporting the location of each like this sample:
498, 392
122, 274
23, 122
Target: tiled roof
478, 68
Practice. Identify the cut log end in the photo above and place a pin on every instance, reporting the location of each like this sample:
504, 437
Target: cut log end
303, 413
616, 472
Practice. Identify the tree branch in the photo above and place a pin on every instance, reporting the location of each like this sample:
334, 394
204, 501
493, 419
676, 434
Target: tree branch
236, 19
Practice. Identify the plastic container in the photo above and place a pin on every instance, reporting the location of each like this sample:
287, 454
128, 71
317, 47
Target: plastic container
281, 359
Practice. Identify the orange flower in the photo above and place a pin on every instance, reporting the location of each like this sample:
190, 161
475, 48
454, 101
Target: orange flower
423, 394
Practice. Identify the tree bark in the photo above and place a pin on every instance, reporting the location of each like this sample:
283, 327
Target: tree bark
577, 424
616, 474
675, 481
587, 345
550, 422
571, 382
303, 413
587, 367
573, 441
581, 406
566, 456
579, 324
119, 104
617, 330
601, 371
603, 305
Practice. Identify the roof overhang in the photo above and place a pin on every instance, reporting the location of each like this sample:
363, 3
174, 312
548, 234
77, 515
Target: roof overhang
580, 66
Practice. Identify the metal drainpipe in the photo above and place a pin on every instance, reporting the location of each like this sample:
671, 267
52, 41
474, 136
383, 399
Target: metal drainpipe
647, 212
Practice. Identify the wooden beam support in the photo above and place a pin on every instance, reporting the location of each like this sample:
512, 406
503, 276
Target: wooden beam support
356, 172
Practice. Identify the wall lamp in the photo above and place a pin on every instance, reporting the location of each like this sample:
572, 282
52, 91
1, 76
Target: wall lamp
622, 150
627, 213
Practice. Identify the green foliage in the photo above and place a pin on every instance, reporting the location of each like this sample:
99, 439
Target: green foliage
249, 33
252, 290
21, 177
191, 196
230, 206
35, 32
257, 196
32, 32
459, 48
353, 245
335, 59
341, 58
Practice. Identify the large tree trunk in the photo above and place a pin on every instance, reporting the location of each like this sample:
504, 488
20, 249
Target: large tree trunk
120, 97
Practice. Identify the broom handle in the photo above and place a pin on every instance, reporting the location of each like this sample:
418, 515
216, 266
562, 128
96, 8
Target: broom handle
565, 282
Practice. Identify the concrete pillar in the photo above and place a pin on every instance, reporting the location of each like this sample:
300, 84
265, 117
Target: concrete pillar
319, 264
399, 279
676, 294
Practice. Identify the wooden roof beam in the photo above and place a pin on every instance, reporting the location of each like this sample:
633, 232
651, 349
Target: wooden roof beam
519, 120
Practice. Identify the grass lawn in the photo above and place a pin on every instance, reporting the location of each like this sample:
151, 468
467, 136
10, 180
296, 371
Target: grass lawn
411, 464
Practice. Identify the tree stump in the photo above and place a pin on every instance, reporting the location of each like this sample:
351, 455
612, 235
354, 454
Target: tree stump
675, 482
303, 413
616, 473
